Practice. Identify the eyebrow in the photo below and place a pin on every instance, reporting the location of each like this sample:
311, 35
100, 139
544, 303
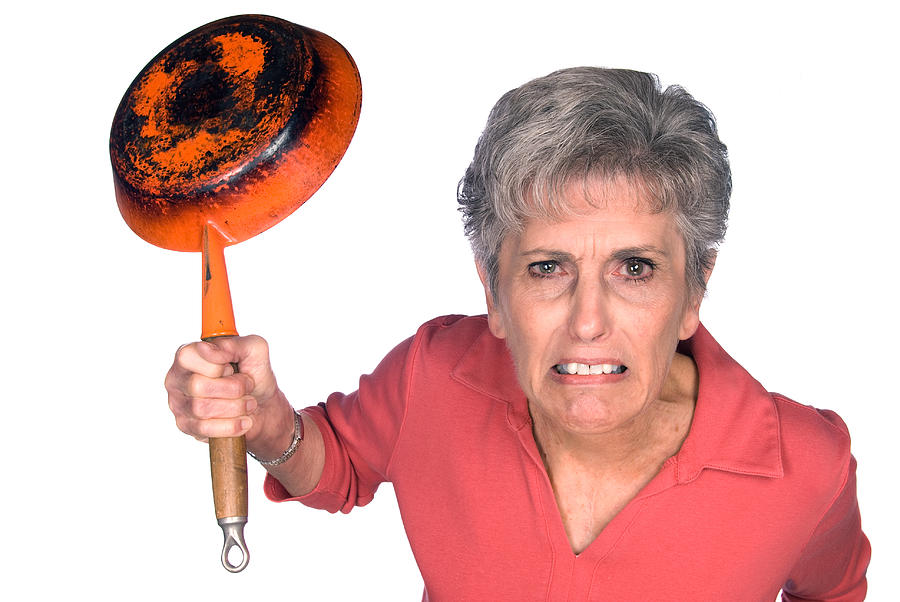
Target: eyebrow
548, 254
618, 254
629, 252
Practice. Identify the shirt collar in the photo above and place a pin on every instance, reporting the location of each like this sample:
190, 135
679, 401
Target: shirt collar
487, 367
735, 426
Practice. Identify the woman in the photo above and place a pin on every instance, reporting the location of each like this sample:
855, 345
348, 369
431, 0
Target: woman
587, 439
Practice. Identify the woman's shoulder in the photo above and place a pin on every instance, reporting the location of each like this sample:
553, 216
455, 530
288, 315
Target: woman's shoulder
741, 423
456, 323
811, 435
451, 334
815, 454
460, 350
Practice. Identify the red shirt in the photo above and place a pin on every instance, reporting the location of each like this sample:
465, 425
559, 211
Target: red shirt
761, 496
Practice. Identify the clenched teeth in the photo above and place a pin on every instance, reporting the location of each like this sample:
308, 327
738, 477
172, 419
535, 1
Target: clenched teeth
585, 369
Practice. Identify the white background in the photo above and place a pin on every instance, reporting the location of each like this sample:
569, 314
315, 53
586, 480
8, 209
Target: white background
104, 496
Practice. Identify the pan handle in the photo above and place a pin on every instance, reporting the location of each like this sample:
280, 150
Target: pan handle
227, 456
228, 464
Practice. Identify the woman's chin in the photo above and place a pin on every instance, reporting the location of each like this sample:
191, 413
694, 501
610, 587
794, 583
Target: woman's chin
584, 416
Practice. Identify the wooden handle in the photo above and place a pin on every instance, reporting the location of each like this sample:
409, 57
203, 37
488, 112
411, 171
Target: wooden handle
228, 464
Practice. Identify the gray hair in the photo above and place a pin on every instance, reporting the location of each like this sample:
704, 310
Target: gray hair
588, 122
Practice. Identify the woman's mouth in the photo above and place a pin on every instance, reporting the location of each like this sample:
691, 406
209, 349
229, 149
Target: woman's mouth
586, 369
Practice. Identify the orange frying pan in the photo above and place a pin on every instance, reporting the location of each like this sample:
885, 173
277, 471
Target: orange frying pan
221, 136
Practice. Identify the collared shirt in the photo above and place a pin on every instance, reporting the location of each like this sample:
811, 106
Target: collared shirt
760, 497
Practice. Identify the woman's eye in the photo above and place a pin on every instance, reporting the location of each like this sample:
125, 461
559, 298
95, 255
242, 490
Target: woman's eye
637, 269
543, 268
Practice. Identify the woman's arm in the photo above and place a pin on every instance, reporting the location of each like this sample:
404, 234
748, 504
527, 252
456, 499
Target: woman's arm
833, 564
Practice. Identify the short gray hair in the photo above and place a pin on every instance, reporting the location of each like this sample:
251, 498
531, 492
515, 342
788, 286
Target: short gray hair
587, 122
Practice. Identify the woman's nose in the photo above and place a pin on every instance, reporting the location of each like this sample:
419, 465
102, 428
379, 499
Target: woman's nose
589, 318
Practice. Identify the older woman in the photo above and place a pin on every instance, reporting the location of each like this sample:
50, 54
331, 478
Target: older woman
587, 439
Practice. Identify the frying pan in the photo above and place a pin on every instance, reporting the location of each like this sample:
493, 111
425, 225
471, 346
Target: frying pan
222, 135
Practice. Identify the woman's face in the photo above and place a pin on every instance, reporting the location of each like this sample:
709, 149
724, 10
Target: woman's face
592, 309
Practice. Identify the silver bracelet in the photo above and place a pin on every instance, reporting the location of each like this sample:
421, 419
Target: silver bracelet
295, 443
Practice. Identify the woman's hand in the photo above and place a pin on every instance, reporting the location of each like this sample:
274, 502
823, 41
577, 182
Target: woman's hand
209, 399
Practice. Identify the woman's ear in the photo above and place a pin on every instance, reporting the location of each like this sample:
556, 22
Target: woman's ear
711, 263
495, 319
691, 318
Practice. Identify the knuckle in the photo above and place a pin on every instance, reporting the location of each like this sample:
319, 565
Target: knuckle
196, 385
210, 350
168, 381
172, 379
255, 339
258, 344
206, 408
184, 425
181, 353
174, 406
201, 408
223, 427
234, 386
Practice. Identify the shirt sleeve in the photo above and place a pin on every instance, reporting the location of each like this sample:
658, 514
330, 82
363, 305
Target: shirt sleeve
360, 431
833, 564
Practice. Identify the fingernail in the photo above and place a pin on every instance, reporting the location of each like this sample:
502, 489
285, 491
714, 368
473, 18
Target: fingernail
246, 423
251, 405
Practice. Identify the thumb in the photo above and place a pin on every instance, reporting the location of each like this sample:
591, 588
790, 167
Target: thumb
220, 350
